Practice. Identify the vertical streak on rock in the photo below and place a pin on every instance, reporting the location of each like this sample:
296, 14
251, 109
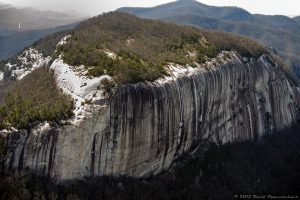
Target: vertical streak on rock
92, 170
21, 158
52, 154
181, 123
166, 149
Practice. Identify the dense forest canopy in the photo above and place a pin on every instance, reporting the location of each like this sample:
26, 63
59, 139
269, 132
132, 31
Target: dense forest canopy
143, 47
34, 98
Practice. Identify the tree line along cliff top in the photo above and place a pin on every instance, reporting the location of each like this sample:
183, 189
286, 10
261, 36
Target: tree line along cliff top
141, 46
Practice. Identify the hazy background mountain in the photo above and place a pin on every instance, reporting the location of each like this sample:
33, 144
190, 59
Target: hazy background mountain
30, 18
34, 24
297, 19
279, 33
14, 41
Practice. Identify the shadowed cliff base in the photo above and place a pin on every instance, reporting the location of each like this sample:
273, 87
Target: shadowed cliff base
268, 166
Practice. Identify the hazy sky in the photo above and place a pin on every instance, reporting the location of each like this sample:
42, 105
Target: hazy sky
94, 7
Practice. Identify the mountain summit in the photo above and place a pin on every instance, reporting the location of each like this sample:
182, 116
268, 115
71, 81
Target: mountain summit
189, 7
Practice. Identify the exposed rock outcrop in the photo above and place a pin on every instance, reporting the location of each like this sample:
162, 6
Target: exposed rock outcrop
144, 127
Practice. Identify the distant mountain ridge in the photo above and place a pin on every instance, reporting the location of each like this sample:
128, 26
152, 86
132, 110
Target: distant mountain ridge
15, 41
297, 19
280, 33
190, 7
20, 27
30, 18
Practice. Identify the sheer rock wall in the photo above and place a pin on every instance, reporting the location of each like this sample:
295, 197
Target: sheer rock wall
143, 128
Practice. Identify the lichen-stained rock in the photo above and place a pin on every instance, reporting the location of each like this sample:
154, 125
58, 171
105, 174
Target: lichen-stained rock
146, 126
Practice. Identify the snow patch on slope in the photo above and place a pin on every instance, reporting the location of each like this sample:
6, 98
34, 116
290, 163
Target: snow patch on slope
178, 70
41, 128
27, 62
1, 76
83, 89
63, 40
110, 54
175, 70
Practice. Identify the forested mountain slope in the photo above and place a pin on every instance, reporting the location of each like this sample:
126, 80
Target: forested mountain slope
279, 33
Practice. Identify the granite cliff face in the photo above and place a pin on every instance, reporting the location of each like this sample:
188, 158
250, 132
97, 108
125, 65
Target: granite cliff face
143, 128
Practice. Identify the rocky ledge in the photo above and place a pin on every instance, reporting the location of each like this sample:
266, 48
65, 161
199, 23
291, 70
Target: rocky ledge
143, 128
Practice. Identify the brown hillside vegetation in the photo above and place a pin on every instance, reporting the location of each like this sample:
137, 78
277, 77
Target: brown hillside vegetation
34, 98
144, 46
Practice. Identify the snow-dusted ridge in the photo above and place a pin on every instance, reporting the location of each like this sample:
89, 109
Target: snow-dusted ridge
175, 70
28, 61
73, 80
1, 76
83, 89
63, 40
